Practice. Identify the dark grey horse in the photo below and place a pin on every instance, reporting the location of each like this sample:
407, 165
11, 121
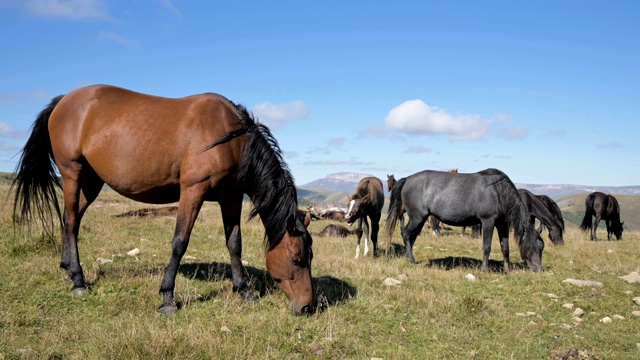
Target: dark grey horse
553, 208
603, 207
538, 210
367, 201
488, 197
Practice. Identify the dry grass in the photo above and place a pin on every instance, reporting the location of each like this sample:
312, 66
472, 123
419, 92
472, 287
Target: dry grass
434, 313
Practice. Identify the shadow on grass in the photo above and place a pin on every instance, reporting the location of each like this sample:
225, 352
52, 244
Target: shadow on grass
394, 251
329, 290
457, 262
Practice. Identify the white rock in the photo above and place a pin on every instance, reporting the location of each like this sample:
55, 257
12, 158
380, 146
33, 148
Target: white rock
606, 320
134, 252
636, 300
635, 313
609, 251
531, 313
618, 317
577, 282
578, 312
391, 282
552, 296
104, 261
632, 278
403, 277
576, 319
189, 257
245, 263
567, 306
470, 277
225, 329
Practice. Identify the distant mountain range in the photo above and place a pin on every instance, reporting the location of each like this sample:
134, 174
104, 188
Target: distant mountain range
345, 183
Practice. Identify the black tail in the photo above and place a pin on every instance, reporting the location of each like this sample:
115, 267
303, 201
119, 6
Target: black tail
36, 181
587, 220
395, 206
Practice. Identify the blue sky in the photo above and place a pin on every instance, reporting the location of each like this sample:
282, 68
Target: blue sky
547, 91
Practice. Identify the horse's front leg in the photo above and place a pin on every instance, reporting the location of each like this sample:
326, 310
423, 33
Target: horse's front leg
231, 219
367, 234
358, 238
609, 232
188, 208
487, 229
503, 235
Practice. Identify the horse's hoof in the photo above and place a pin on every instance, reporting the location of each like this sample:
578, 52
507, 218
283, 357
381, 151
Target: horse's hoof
168, 310
248, 296
79, 291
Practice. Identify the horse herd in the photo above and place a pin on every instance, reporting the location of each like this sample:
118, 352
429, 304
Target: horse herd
206, 148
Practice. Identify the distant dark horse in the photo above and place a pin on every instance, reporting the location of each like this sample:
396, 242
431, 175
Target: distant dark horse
159, 150
367, 201
538, 210
603, 207
334, 230
488, 197
553, 208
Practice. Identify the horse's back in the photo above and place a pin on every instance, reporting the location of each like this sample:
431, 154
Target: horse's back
138, 143
456, 198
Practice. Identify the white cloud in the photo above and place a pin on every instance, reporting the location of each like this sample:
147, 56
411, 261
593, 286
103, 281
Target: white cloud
169, 6
70, 9
615, 144
416, 117
276, 115
118, 39
417, 150
5, 128
517, 133
338, 141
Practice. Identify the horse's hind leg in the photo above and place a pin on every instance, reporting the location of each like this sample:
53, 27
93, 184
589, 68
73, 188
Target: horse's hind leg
375, 227
609, 232
594, 227
409, 235
231, 219
191, 200
80, 187
89, 185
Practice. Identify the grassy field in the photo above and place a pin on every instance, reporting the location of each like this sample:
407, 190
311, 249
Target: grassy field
434, 313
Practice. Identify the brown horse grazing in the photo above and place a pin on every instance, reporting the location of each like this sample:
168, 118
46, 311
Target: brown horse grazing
160, 150
603, 207
368, 200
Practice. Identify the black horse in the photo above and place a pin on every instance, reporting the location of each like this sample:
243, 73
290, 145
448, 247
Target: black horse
603, 207
538, 210
553, 208
488, 197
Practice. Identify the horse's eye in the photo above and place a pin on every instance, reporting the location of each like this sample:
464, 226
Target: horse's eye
296, 261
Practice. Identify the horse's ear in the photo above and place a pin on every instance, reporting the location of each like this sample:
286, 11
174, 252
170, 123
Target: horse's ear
307, 220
